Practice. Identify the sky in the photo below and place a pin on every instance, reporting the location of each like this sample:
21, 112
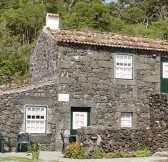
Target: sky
108, 1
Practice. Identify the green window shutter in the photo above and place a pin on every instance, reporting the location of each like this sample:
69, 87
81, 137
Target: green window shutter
164, 75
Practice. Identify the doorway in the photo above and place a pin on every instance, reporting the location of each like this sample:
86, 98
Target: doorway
80, 116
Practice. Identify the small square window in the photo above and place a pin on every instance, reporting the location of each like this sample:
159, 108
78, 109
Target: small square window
126, 119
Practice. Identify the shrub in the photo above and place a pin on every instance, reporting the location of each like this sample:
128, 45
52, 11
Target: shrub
98, 153
142, 151
74, 145
34, 150
74, 151
118, 154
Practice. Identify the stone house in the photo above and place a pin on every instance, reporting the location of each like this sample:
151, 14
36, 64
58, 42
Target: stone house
82, 78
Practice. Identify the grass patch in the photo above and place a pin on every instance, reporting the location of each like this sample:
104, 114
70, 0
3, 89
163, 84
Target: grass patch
19, 159
16, 158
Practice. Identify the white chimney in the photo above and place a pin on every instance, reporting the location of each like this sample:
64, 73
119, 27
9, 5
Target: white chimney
52, 21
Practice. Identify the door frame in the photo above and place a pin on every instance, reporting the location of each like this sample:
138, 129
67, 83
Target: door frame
79, 109
163, 81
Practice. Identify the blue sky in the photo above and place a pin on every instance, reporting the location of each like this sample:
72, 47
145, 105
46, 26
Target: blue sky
108, 1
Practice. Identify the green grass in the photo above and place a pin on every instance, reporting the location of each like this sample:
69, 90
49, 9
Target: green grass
19, 159
15, 158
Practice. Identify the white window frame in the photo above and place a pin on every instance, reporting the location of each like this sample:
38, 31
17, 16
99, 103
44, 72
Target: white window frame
126, 119
35, 118
79, 120
124, 66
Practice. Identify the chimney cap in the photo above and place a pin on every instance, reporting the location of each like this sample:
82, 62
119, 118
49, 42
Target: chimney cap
52, 14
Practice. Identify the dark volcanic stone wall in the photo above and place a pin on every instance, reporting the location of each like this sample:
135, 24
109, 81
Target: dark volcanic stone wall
159, 110
12, 113
89, 76
43, 61
126, 140
86, 73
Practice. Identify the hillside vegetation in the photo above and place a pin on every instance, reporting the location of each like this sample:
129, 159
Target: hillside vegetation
21, 22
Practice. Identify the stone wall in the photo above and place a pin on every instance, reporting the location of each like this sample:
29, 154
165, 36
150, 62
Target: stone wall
112, 139
43, 61
12, 113
158, 111
86, 73
89, 75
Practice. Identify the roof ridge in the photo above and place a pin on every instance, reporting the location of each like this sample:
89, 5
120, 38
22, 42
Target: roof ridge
109, 39
111, 33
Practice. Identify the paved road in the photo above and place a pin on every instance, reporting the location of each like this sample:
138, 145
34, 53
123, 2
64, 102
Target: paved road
57, 156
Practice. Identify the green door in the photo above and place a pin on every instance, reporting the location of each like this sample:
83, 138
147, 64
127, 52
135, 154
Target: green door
164, 75
80, 116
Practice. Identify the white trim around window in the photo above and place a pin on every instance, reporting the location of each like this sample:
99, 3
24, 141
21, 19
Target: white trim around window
126, 119
35, 119
123, 67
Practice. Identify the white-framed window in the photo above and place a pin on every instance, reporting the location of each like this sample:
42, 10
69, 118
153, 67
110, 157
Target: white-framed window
123, 67
79, 119
35, 118
126, 119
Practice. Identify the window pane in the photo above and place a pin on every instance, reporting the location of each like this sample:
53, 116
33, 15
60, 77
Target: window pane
28, 116
37, 116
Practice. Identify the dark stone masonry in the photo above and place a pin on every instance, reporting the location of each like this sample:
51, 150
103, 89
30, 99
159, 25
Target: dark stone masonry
12, 112
85, 73
125, 140
111, 139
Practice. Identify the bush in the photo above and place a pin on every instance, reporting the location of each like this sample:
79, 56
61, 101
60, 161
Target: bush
34, 150
119, 154
74, 151
142, 151
97, 154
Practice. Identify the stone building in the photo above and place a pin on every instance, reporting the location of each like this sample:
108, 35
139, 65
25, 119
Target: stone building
82, 78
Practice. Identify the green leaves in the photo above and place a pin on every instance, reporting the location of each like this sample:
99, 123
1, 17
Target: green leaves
34, 150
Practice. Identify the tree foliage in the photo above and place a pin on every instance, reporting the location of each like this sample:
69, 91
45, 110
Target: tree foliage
21, 22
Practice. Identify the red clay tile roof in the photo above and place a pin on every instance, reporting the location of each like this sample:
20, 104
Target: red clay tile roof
109, 39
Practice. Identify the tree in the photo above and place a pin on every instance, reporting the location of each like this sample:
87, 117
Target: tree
134, 15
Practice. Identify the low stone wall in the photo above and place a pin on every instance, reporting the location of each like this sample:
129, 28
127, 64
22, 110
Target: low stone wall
158, 104
112, 139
